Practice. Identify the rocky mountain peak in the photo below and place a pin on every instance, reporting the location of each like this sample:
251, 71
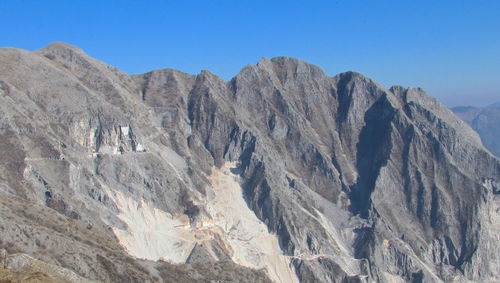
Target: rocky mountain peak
61, 48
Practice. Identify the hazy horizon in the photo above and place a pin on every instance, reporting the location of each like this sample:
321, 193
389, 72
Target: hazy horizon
450, 49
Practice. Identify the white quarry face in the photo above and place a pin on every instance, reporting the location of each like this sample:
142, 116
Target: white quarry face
154, 234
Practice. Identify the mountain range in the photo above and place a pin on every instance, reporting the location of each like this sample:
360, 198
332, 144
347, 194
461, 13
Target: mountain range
282, 174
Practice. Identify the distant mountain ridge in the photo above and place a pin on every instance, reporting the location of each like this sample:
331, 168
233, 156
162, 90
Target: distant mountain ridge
282, 174
485, 121
495, 105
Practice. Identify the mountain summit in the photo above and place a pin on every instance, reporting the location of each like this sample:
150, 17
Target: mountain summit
281, 174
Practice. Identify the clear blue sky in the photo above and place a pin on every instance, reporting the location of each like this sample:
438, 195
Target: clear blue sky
450, 48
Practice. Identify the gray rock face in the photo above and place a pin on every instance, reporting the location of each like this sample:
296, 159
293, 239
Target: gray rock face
281, 174
486, 121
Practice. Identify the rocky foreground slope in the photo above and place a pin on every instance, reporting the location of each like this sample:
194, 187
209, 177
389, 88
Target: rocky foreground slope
282, 174
485, 121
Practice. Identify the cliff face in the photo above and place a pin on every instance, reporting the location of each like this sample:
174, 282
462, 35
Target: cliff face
283, 169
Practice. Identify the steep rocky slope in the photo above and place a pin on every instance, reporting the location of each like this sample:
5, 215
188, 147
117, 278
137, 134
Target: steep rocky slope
486, 121
281, 174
